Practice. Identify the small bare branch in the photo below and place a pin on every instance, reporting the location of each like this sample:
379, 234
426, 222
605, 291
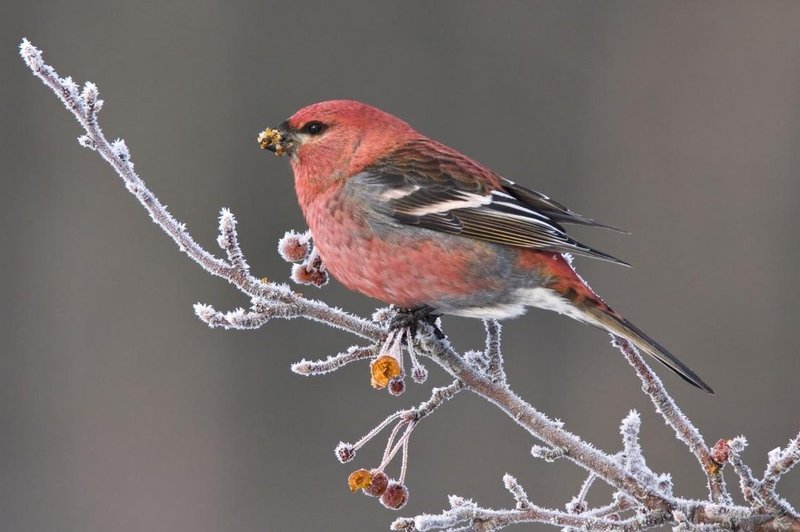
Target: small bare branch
753, 490
478, 519
228, 240
781, 461
332, 363
495, 367
675, 418
439, 396
239, 318
548, 454
517, 491
539, 425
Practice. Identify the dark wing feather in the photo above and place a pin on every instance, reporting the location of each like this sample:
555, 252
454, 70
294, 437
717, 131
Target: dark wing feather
552, 208
444, 191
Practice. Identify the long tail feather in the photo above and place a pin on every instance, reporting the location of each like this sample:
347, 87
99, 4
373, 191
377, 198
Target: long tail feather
621, 327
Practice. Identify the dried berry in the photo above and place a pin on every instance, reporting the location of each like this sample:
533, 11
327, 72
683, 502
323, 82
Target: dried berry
395, 496
359, 479
378, 485
293, 247
397, 386
383, 369
719, 454
419, 374
305, 274
345, 452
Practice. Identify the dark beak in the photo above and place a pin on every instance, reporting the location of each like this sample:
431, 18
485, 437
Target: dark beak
278, 140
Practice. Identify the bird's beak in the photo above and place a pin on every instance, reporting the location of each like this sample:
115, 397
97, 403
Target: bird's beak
278, 140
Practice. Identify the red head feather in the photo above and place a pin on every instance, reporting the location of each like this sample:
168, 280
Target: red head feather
355, 135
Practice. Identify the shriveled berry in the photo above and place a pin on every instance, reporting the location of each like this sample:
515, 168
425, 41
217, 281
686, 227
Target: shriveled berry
419, 374
397, 386
359, 479
293, 247
383, 369
395, 496
721, 451
345, 452
378, 485
304, 274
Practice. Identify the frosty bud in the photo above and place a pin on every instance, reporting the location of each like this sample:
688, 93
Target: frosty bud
359, 479
419, 374
378, 485
397, 386
293, 247
395, 496
345, 452
304, 274
721, 451
576, 506
383, 369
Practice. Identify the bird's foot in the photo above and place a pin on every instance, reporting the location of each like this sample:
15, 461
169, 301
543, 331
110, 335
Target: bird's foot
410, 318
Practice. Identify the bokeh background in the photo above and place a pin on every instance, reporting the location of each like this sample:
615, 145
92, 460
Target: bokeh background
120, 411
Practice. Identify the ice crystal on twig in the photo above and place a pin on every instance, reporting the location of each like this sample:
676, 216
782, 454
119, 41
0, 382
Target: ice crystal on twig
228, 240
548, 454
332, 363
517, 491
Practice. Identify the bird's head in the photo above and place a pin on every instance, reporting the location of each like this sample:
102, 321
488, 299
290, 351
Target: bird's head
330, 141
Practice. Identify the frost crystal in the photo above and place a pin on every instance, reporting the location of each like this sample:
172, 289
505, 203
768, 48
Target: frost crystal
120, 149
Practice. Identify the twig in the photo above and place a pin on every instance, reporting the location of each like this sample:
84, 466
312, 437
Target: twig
517, 491
495, 367
781, 461
480, 519
332, 363
684, 429
539, 425
118, 156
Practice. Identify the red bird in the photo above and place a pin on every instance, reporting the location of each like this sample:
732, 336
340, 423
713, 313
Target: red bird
409, 221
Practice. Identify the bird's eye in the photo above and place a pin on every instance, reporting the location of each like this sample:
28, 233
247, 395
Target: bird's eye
314, 128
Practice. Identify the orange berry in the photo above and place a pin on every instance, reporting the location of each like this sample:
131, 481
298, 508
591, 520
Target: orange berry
359, 479
383, 369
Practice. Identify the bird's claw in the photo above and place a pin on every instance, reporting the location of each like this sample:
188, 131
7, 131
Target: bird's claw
410, 318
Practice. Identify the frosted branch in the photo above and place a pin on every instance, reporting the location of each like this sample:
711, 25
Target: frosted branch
637, 489
517, 491
781, 461
228, 240
675, 418
332, 363
493, 352
632, 456
465, 515
754, 491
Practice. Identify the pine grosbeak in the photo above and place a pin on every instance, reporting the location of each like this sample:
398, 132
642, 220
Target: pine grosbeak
409, 221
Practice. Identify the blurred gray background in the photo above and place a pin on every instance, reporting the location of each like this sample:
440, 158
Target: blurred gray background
120, 411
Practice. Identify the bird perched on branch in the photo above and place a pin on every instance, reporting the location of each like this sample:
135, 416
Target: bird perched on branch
407, 220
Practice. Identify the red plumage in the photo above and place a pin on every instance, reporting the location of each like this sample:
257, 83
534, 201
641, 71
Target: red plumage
412, 222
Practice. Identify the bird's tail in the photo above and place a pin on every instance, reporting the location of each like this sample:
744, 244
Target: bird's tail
602, 316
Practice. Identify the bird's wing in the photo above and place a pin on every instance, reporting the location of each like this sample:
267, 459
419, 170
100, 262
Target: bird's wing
554, 210
447, 192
